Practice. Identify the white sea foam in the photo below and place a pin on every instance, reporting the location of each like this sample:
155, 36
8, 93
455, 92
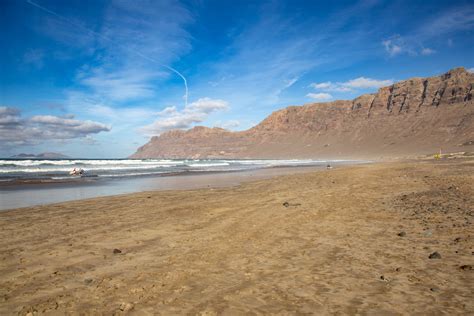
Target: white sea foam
134, 167
202, 165
28, 163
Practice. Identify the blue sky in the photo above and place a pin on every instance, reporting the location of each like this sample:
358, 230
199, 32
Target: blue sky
98, 78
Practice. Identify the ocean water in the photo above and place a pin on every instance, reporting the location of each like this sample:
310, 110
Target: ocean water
51, 169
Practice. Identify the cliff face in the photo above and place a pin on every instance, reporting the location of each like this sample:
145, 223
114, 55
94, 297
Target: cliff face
415, 116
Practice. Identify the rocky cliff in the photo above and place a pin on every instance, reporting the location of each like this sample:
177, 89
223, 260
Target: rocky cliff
411, 117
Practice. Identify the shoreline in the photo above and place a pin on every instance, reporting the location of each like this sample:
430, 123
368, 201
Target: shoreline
29, 194
94, 178
351, 240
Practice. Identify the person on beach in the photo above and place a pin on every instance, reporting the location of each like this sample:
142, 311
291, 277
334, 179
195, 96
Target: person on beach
77, 172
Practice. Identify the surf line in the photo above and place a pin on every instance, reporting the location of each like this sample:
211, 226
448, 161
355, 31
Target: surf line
136, 52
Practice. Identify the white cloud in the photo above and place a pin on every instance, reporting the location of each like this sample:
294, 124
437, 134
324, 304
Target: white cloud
322, 85
319, 96
393, 46
427, 51
365, 83
329, 86
471, 70
231, 124
206, 106
351, 85
196, 112
17, 131
171, 110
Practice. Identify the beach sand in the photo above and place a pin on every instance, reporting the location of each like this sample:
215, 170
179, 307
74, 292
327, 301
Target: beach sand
342, 241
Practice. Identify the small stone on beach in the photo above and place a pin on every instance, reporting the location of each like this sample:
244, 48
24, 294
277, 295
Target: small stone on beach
124, 307
466, 267
286, 204
435, 255
116, 251
402, 234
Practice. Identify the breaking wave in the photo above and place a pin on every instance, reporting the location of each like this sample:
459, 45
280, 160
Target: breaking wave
112, 168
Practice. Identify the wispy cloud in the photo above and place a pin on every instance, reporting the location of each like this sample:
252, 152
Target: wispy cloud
410, 45
427, 51
196, 112
330, 86
320, 96
352, 85
430, 30
18, 131
290, 82
294, 49
394, 46
127, 84
130, 47
34, 57
322, 85
230, 124
446, 22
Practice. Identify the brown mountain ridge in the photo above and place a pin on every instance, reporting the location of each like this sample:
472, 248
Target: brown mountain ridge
412, 117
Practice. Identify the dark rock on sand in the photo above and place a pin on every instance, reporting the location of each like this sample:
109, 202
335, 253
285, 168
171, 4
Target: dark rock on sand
88, 281
286, 204
466, 267
116, 251
125, 307
402, 234
435, 255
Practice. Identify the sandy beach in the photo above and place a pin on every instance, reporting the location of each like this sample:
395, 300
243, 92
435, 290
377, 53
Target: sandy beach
380, 239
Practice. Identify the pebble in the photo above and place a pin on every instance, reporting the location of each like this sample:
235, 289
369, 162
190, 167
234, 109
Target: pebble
435, 255
88, 281
402, 234
117, 251
286, 204
124, 307
466, 267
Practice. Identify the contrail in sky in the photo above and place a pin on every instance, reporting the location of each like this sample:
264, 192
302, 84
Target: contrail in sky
138, 53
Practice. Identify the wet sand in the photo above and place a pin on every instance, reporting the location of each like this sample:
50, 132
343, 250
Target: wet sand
32, 193
342, 241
